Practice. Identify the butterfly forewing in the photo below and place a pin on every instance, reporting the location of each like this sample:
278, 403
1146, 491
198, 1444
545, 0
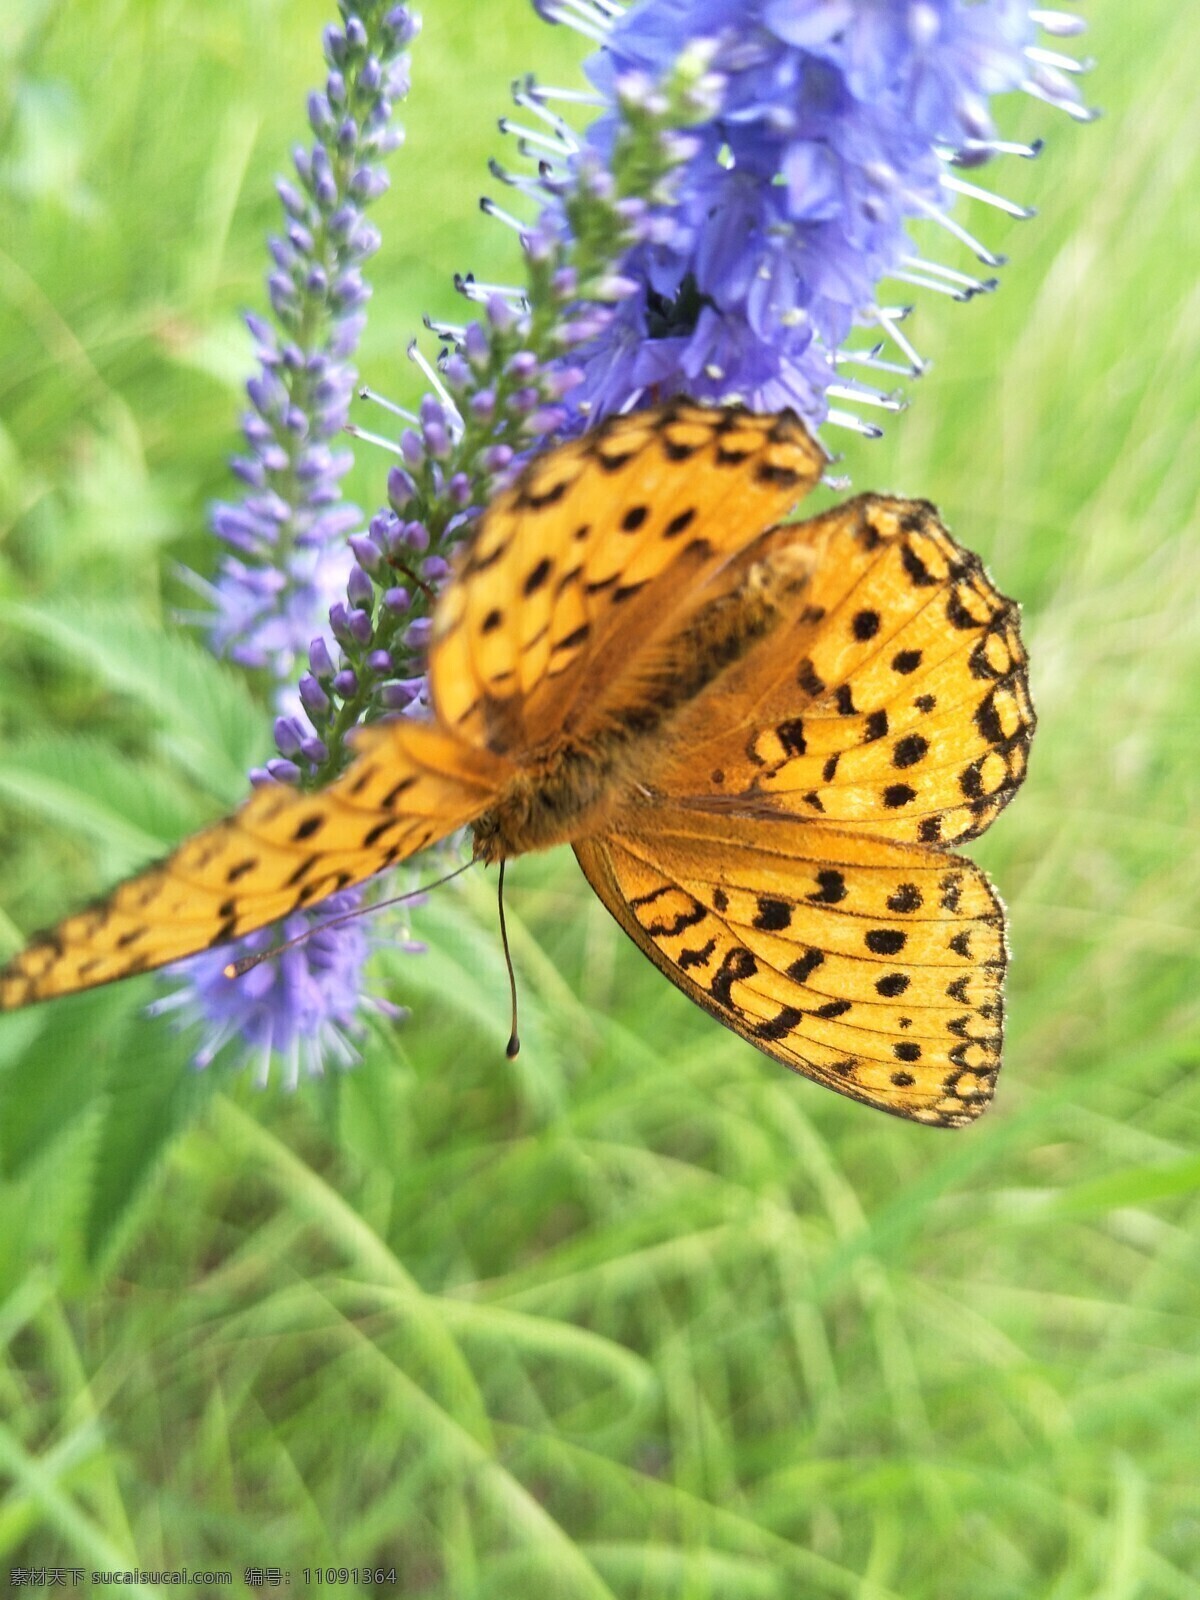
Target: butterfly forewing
281, 851
596, 555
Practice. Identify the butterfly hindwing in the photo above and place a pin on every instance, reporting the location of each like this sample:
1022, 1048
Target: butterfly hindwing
894, 698
873, 968
281, 851
597, 550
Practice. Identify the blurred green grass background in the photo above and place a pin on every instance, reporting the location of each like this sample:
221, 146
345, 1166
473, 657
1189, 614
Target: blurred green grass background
639, 1316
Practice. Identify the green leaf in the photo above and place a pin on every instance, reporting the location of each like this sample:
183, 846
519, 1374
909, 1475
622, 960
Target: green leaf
53, 1063
131, 808
152, 1094
212, 724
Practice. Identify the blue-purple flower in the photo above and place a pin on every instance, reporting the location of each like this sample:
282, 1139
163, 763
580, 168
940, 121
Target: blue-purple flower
838, 124
302, 1009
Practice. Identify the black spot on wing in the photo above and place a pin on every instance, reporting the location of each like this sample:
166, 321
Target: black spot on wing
649, 899
571, 640
737, 965
898, 794
832, 887
535, 579
780, 1025
679, 523
908, 751
772, 915
775, 473
906, 898
808, 679
296, 877
917, 571
671, 930
970, 781
791, 736
958, 615
397, 789
539, 499
987, 720
698, 957
613, 460
804, 966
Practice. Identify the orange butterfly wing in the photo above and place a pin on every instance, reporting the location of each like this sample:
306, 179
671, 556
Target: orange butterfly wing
409, 785
894, 699
788, 872
553, 622
873, 968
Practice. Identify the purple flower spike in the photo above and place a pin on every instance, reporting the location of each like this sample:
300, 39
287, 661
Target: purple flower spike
299, 397
291, 563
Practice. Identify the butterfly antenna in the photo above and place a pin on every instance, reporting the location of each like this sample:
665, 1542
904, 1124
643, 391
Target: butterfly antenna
513, 1048
245, 964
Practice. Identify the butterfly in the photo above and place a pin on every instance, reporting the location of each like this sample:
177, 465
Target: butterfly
762, 740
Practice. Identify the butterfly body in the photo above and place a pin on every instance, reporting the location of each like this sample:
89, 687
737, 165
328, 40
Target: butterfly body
760, 738
575, 785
